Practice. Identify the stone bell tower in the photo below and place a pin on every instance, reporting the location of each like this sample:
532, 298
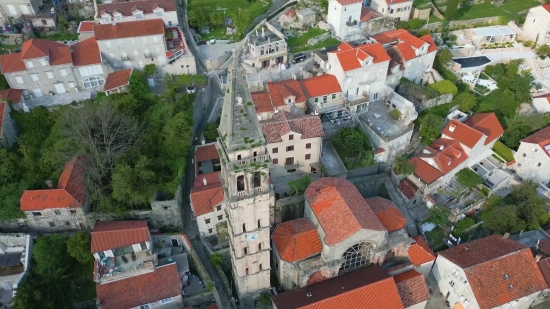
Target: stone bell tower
245, 177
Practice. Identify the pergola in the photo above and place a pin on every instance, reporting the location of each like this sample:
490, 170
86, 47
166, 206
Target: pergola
491, 32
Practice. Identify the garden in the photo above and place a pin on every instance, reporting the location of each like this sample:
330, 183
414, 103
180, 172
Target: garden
503, 151
508, 10
354, 147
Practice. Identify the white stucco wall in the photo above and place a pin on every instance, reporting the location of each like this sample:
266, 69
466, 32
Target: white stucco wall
338, 15
541, 105
213, 216
401, 10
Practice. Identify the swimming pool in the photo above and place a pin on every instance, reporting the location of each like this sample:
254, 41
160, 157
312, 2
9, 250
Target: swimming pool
470, 62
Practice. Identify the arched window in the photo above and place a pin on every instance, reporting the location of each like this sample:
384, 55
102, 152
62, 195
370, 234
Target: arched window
355, 257
93, 82
257, 179
240, 183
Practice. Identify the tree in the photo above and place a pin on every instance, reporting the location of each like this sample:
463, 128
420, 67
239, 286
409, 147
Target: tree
401, 167
502, 219
50, 253
215, 259
216, 18
324, 5
298, 186
466, 101
439, 215
211, 131
514, 134
430, 128
135, 184
137, 84
451, 9
197, 18
415, 24
352, 140
468, 178
396, 114
543, 51
444, 56
463, 225
445, 87
78, 246
150, 69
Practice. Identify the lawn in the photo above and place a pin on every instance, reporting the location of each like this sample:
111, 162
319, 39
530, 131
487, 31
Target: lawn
437, 235
325, 43
301, 41
421, 4
216, 33
5, 49
481, 90
503, 151
486, 9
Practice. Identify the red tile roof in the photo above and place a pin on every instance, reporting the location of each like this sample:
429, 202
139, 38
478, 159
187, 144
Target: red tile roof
308, 126
351, 58
321, 85
368, 14
116, 234
126, 7
13, 95
206, 153
129, 29
291, 13
134, 291
280, 91
205, 198
463, 133
86, 26
438, 159
296, 240
12, 63
543, 245
340, 209
428, 39
86, 53
547, 7
408, 188
396, 1
424, 171
499, 270
379, 151
386, 211
262, 102
117, 79
60, 55
36, 48
70, 191
486, 123
541, 138
420, 252
364, 288
412, 288
544, 266
407, 43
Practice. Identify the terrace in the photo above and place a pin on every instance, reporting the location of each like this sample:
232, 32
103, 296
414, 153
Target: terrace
175, 43
125, 263
457, 198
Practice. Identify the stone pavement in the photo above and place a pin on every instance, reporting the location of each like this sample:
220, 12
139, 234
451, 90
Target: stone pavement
436, 300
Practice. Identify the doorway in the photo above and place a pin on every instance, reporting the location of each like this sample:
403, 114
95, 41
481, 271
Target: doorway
175, 243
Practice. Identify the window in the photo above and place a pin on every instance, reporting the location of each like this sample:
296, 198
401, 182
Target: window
289, 148
259, 225
90, 70
72, 211
44, 22
275, 161
43, 62
34, 77
238, 157
207, 221
534, 20
275, 150
313, 170
308, 146
19, 79
539, 164
316, 100
143, 245
138, 16
399, 10
51, 224
219, 207
67, 223
166, 300
37, 214
107, 19
391, 11
240, 183
308, 156
159, 13
245, 251
244, 227
289, 161
144, 307
29, 64
257, 179
290, 137
260, 267
375, 96
334, 96
259, 247
57, 212
220, 217
23, 226
118, 17
209, 231
49, 74
452, 283
93, 82
63, 72
247, 271
325, 99
12, 10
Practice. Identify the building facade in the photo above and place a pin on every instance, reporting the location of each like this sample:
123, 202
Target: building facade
537, 24
17, 8
533, 157
123, 11
344, 17
398, 9
266, 47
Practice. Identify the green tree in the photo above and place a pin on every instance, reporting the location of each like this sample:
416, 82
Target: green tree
415, 24
430, 128
57, 287
50, 253
150, 69
514, 134
401, 167
543, 51
444, 87
451, 9
134, 185
463, 225
211, 131
299, 185
215, 259
396, 114
444, 56
439, 215
78, 246
468, 178
352, 140
138, 86
502, 219
466, 101
324, 5
198, 18
216, 18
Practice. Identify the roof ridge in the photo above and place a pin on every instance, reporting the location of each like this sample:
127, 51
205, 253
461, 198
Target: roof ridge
498, 257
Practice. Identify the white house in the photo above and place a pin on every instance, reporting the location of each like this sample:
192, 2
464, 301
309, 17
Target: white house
537, 24
15, 257
466, 273
122, 11
421, 256
398, 9
411, 57
323, 93
533, 157
344, 17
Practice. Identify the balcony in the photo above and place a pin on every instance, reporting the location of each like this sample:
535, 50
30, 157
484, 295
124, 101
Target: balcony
351, 23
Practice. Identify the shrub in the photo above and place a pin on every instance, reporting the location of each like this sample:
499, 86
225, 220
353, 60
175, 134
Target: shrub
444, 87
401, 167
466, 101
415, 24
468, 178
396, 114
462, 226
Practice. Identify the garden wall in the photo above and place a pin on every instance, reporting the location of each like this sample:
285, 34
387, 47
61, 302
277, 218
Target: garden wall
319, 38
443, 99
421, 13
477, 22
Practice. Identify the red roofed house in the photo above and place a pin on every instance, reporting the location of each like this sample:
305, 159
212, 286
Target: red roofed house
60, 208
281, 96
491, 272
412, 289
8, 131
117, 82
323, 93
43, 67
294, 143
123, 11
412, 57
398, 9
465, 144
421, 256
85, 30
537, 23
533, 157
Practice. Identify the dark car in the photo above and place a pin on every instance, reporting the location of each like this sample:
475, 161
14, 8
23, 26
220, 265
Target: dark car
299, 57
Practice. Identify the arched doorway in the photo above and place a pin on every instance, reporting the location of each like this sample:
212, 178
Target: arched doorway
355, 257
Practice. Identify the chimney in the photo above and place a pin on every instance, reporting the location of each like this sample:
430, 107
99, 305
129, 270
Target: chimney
506, 235
452, 128
263, 33
49, 184
204, 181
537, 258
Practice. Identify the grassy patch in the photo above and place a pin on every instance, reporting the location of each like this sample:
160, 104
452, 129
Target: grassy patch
325, 43
509, 10
446, 73
301, 40
421, 4
216, 33
62, 36
5, 49
503, 151
481, 89
434, 19
437, 235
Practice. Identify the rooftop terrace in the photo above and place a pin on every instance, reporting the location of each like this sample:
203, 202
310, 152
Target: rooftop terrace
381, 121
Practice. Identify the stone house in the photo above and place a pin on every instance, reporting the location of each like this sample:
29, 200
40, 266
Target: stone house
208, 203
537, 24
265, 47
421, 256
18, 8
306, 16
58, 209
344, 17
398, 9
503, 266
533, 157
117, 82
294, 143
285, 96
411, 57
15, 256
8, 131
122, 11
347, 233
323, 93
46, 67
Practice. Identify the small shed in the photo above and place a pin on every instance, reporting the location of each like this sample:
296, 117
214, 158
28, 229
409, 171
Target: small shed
306, 16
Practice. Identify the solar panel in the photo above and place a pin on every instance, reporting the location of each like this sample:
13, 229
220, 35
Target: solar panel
8, 260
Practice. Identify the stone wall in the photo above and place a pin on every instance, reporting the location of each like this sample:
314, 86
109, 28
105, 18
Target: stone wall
319, 38
436, 11
423, 14
12, 39
477, 22
286, 209
442, 99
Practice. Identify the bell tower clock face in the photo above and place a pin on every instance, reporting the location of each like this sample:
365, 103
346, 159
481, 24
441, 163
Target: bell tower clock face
252, 237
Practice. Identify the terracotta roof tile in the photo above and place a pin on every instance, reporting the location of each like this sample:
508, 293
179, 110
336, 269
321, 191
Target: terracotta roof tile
424, 171
364, 288
412, 288
340, 209
368, 14
486, 123
308, 126
547, 7
541, 138
449, 154
126, 7
86, 26
134, 291
428, 39
60, 55
401, 35
13, 95
544, 266
36, 48
420, 252
408, 188
12, 63
129, 29
86, 53
463, 133
291, 13
386, 211
321, 85
70, 191
117, 79
350, 59
262, 101
491, 265
543, 245
211, 178
205, 198
296, 240
280, 91
116, 234
206, 153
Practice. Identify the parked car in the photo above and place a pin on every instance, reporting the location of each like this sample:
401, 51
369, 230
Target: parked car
299, 57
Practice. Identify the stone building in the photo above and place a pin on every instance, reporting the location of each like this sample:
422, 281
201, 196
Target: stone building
281, 96
344, 17
533, 157
245, 180
266, 47
398, 9
341, 231
18, 8
8, 132
46, 67
122, 11
324, 94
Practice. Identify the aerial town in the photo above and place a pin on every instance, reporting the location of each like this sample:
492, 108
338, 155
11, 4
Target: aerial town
275, 154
